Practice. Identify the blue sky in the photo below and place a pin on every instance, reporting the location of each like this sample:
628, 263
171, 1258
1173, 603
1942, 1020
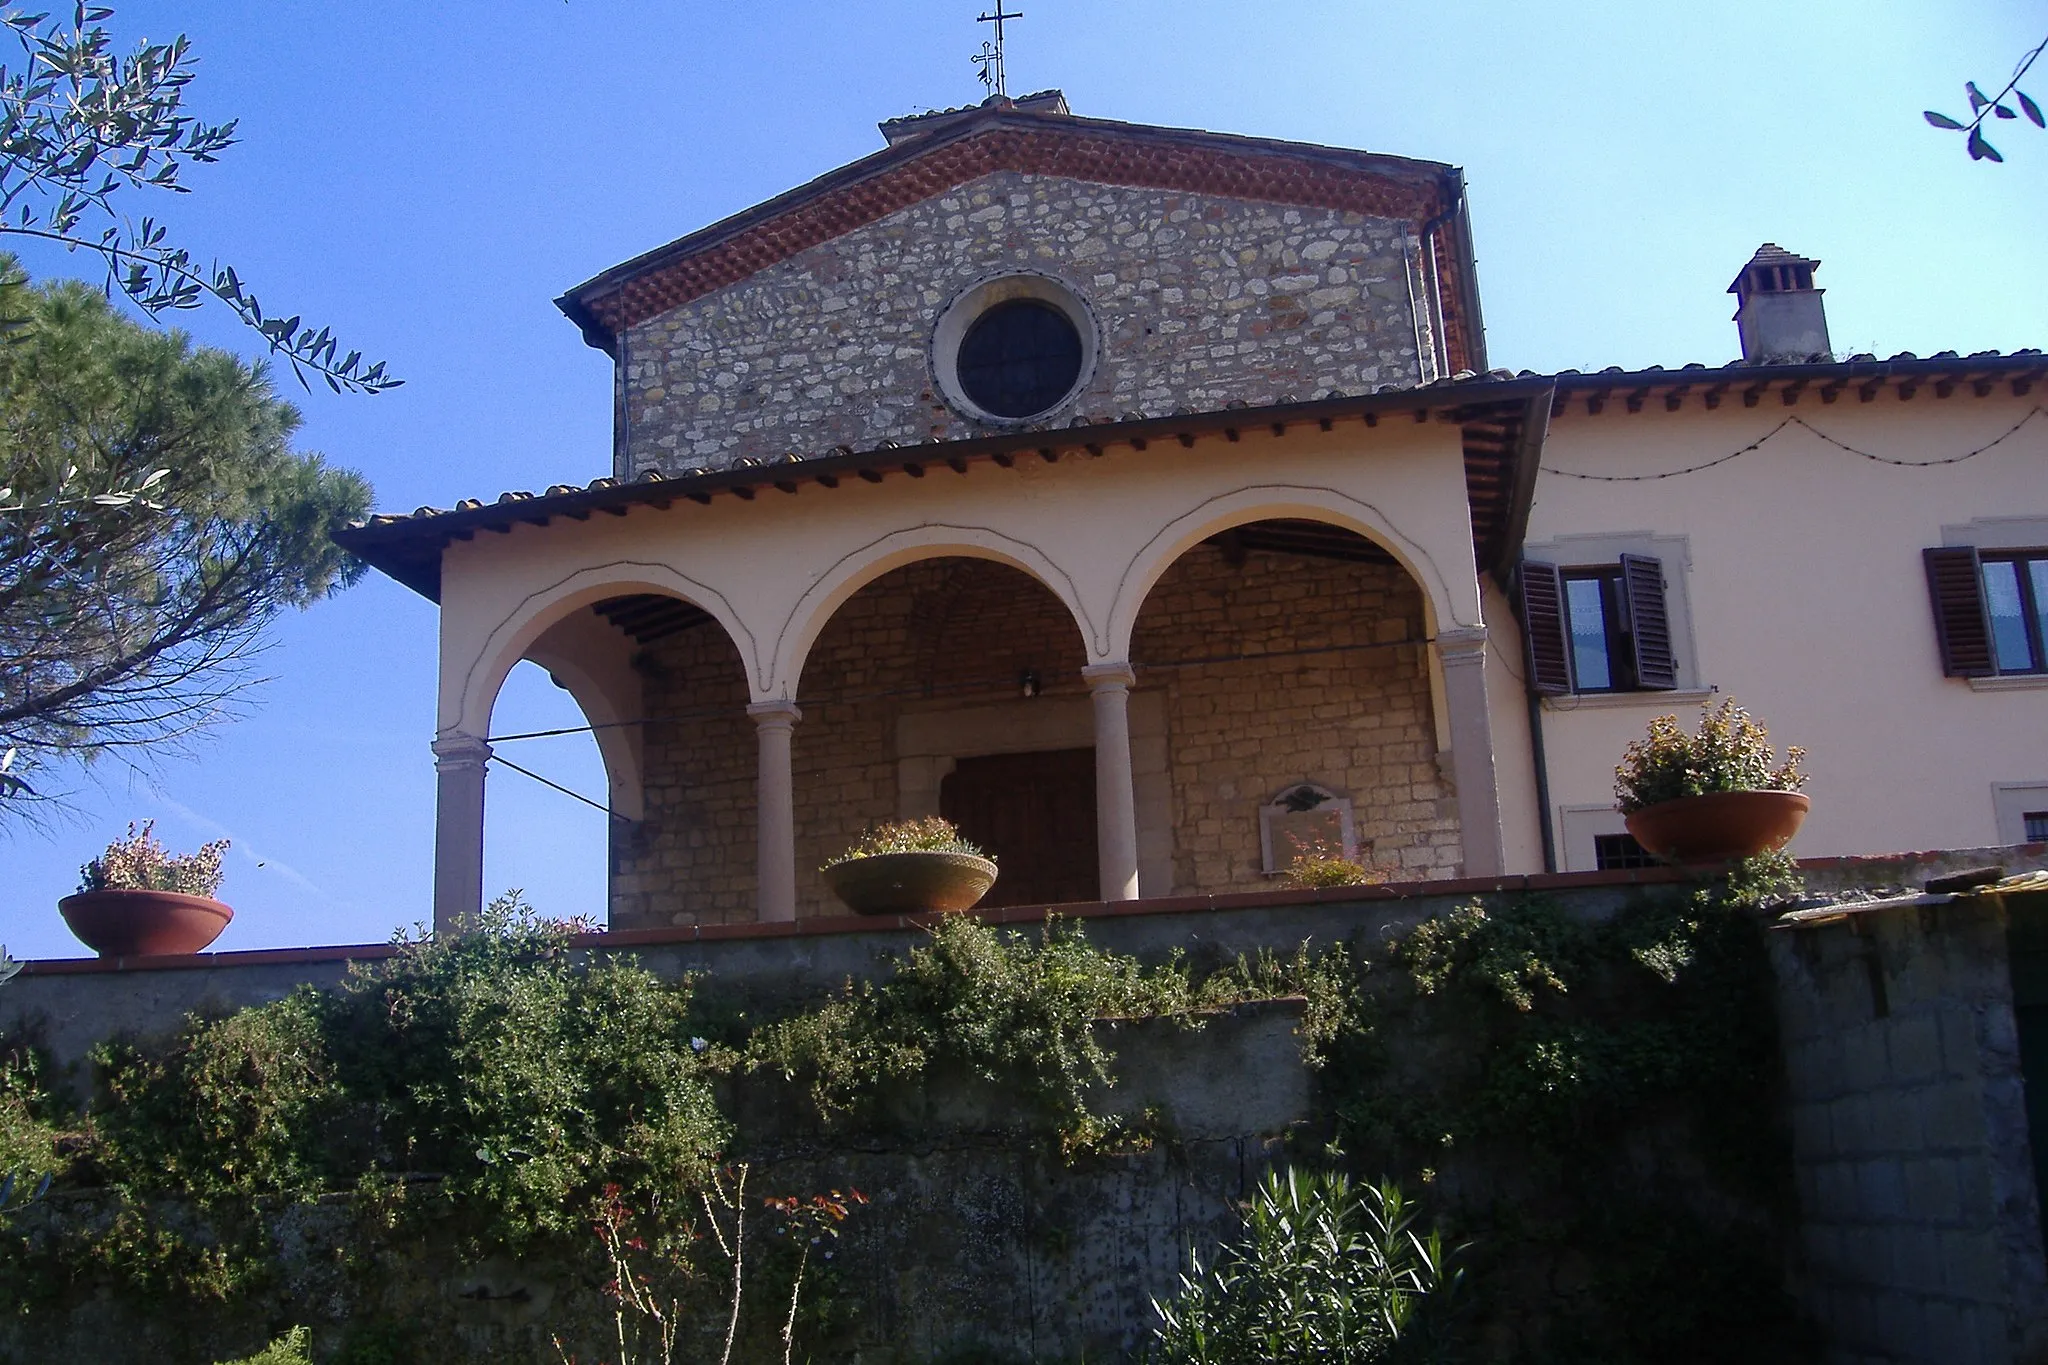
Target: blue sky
426, 179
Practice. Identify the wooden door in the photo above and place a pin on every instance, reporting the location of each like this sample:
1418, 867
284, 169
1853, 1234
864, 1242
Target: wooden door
1035, 815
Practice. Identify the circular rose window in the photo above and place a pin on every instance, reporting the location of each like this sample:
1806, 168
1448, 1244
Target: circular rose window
1013, 349
1019, 359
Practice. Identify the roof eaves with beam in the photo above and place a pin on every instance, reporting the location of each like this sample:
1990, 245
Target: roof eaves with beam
1864, 376
409, 548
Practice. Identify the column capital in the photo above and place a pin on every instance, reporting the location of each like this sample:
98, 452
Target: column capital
775, 715
1461, 644
455, 752
1109, 676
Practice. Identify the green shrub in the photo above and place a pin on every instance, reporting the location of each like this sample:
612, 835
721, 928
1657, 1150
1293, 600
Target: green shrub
293, 1348
29, 1127
929, 835
1326, 1273
1731, 752
520, 1080
1010, 1009
139, 863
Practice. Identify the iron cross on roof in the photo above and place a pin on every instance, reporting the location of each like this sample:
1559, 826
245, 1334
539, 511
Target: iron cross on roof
990, 58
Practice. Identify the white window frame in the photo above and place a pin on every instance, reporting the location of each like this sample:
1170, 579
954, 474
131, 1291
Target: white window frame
1602, 548
2010, 802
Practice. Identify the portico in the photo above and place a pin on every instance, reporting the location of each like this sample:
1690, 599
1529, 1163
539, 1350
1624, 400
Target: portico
759, 560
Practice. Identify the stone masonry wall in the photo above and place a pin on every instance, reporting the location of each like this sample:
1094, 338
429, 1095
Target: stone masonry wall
1341, 697
1921, 1221
1200, 301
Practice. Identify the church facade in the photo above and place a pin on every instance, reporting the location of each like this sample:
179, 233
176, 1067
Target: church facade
1142, 499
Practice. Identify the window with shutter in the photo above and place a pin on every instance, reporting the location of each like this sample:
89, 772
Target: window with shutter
1598, 627
2016, 608
1642, 579
1955, 584
1543, 633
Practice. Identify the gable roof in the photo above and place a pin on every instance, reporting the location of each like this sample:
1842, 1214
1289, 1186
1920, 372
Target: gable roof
1038, 137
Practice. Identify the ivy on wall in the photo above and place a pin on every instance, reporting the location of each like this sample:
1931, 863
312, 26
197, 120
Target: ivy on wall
1592, 1102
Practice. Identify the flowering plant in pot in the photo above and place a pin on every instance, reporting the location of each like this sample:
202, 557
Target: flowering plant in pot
136, 899
910, 866
1717, 795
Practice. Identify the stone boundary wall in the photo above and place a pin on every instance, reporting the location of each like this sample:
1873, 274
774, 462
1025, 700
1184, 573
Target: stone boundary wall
75, 1002
1921, 1229
982, 1242
1920, 1218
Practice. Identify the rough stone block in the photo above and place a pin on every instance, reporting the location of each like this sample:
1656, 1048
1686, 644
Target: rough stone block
1866, 1062
1952, 1115
1868, 1254
1971, 1265
1895, 1121
1933, 1194
1960, 1049
1917, 1260
1881, 1190
1916, 1049
1850, 1124
1812, 1133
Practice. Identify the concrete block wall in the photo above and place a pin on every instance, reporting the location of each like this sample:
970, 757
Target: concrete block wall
1276, 670
1921, 1221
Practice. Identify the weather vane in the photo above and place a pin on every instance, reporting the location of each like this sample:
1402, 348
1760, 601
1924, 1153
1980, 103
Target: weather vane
990, 58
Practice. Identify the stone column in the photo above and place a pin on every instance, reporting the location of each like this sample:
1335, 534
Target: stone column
459, 762
1116, 806
775, 809
1462, 653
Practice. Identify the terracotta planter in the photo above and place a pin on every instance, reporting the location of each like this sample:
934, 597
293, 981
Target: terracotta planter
143, 923
1719, 827
911, 883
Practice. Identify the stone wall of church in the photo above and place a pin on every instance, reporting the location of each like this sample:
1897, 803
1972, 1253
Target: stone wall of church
1200, 301
1274, 671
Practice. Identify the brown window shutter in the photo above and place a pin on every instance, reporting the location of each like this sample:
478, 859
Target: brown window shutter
1547, 652
1642, 579
1955, 582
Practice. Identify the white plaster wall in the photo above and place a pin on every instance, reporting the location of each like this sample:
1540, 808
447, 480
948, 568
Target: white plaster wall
1809, 602
1097, 531
1508, 714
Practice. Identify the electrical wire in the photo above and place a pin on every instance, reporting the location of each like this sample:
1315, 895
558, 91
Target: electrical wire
1758, 443
977, 687
545, 782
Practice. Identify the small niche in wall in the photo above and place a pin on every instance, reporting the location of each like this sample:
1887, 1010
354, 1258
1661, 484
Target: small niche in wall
1305, 818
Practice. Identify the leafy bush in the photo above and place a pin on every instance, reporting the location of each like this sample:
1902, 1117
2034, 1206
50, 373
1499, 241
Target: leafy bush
1326, 1272
1013, 1011
494, 1061
293, 1348
1730, 752
139, 863
28, 1117
1319, 865
929, 835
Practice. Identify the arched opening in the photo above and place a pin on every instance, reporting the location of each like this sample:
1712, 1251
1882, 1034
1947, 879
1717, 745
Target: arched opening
1291, 656
549, 845
950, 686
625, 764
687, 855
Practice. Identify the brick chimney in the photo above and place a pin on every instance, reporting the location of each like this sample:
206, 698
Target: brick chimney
1778, 311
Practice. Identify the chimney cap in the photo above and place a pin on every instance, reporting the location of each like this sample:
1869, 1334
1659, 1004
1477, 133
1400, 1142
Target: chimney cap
1756, 276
